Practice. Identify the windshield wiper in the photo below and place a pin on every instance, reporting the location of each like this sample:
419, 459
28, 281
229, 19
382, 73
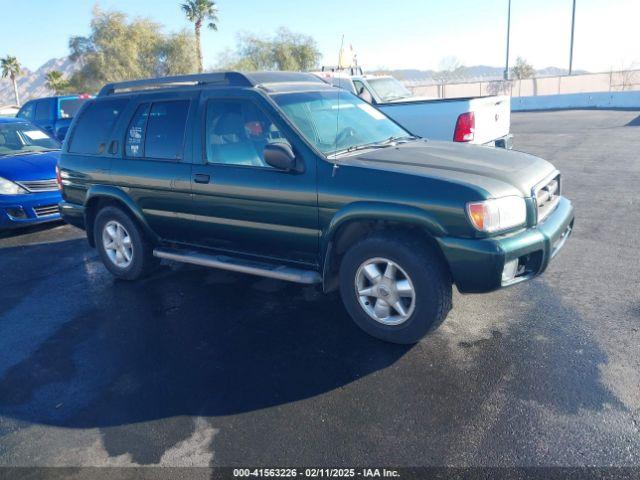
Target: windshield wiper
381, 144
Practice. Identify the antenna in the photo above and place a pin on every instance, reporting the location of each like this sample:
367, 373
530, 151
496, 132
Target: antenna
335, 150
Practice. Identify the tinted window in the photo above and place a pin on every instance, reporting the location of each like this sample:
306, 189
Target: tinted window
164, 136
43, 111
69, 107
94, 125
134, 143
237, 132
27, 111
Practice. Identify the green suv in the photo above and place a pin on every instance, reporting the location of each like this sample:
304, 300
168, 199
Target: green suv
281, 175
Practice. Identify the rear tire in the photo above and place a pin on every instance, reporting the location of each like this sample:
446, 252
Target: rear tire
123, 247
395, 287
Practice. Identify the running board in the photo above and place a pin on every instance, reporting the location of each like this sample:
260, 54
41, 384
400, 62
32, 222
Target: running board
279, 272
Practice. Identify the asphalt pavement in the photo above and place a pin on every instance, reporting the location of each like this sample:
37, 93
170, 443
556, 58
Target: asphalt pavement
198, 367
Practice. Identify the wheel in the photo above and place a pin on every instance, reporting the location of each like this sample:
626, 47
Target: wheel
124, 250
395, 287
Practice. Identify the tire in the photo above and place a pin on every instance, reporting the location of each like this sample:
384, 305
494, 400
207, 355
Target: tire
428, 277
140, 262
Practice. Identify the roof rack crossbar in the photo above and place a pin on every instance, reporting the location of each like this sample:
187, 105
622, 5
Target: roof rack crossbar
222, 78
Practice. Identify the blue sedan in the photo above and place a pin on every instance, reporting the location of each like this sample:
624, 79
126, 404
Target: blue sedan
28, 189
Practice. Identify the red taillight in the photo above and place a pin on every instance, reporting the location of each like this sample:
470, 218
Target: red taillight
58, 177
465, 126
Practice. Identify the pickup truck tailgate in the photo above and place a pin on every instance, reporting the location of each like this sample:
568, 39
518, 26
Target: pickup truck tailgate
493, 118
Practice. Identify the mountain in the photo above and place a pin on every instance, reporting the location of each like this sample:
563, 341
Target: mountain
32, 84
467, 74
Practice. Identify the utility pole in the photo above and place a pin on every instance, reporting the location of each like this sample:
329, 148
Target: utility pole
506, 67
573, 24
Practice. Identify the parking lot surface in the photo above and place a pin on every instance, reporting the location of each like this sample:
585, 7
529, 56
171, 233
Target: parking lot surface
202, 367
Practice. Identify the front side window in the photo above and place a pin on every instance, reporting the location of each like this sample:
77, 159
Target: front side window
23, 137
43, 111
94, 126
237, 132
337, 122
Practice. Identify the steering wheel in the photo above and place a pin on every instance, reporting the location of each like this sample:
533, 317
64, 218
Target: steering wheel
345, 134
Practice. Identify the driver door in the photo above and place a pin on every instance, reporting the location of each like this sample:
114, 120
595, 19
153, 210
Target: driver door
241, 204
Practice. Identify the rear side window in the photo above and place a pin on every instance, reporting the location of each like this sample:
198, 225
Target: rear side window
94, 126
69, 107
157, 130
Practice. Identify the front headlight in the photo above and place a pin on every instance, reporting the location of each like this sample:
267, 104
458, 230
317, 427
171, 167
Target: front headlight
497, 214
10, 188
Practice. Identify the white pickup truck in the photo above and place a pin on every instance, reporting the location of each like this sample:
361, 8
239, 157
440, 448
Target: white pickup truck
479, 120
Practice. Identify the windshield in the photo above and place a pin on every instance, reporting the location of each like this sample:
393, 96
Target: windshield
69, 106
357, 125
17, 138
388, 89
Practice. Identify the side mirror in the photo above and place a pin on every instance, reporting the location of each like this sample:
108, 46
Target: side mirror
280, 156
365, 95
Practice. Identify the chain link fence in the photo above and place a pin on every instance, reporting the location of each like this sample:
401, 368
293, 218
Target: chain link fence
614, 81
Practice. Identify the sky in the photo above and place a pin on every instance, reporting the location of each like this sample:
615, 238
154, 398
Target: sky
416, 34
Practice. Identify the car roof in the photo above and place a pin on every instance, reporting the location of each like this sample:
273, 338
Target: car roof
264, 80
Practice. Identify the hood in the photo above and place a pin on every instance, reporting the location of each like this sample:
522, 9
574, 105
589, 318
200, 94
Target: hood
32, 166
498, 171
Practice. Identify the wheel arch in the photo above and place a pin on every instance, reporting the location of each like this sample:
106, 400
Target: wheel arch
100, 196
359, 220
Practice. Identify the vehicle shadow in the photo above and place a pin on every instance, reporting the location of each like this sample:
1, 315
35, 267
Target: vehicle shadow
634, 123
186, 341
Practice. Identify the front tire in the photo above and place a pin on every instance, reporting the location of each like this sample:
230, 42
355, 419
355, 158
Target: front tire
395, 287
123, 247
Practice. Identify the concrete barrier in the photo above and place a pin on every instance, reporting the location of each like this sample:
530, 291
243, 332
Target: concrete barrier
577, 100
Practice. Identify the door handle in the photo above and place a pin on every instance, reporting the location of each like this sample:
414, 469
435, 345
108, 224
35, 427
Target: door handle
201, 178
113, 147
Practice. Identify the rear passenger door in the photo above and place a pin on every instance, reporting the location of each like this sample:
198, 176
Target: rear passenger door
241, 204
155, 165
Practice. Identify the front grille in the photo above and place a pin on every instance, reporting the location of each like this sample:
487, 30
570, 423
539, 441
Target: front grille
46, 210
35, 186
547, 196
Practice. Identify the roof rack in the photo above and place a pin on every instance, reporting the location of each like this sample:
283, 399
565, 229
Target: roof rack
231, 79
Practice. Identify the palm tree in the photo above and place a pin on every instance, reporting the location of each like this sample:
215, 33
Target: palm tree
56, 82
198, 12
11, 68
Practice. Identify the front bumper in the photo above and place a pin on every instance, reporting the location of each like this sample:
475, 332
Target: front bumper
477, 265
28, 209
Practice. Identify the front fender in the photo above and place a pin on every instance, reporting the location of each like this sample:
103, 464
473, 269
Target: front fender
375, 211
116, 195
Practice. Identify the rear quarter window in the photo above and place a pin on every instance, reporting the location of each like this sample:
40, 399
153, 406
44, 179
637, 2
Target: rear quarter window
94, 125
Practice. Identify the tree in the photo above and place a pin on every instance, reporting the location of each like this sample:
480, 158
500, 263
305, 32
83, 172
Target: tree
285, 50
11, 68
198, 12
450, 69
522, 69
118, 49
57, 82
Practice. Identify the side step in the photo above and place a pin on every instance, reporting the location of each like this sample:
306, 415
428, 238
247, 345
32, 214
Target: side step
279, 272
